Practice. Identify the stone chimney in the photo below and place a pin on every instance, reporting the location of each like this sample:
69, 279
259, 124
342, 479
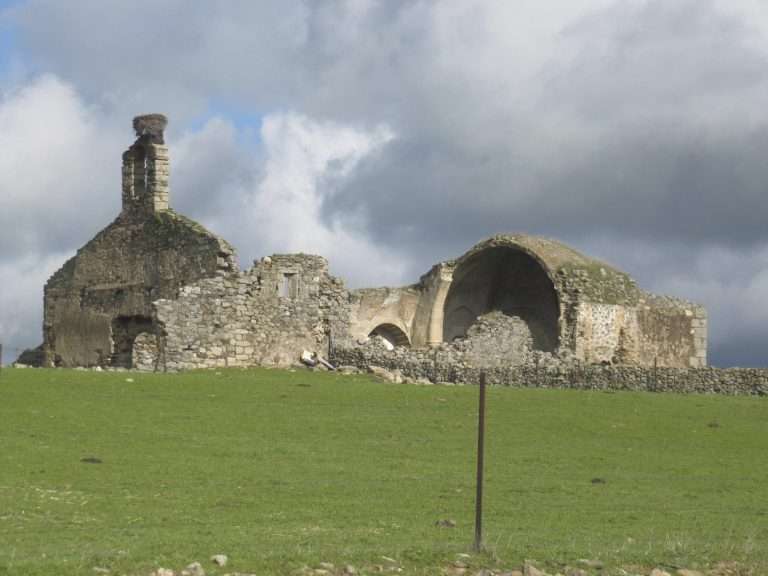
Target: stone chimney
146, 168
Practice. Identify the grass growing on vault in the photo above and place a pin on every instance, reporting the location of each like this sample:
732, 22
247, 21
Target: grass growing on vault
277, 469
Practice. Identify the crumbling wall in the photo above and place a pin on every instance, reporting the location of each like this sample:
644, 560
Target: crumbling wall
101, 299
119, 274
371, 308
497, 339
264, 316
658, 331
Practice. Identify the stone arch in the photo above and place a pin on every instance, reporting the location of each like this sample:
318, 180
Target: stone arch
392, 333
509, 279
125, 329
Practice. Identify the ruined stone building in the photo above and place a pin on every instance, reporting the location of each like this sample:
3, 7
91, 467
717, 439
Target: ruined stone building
155, 290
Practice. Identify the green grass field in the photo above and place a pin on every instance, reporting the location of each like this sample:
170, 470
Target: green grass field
282, 469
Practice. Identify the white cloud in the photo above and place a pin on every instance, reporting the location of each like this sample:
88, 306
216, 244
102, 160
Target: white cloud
21, 301
306, 161
57, 167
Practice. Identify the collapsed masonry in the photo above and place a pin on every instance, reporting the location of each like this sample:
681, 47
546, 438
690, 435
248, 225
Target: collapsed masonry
156, 291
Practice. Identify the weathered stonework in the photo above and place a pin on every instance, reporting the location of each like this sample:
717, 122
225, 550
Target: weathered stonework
447, 365
265, 316
156, 291
570, 303
101, 299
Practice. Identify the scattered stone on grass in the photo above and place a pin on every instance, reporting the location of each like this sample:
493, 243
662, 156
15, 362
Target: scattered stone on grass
592, 564
446, 523
530, 570
194, 569
163, 572
349, 570
688, 572
575, 571
220, 559
394, 376
659, 572
348, 369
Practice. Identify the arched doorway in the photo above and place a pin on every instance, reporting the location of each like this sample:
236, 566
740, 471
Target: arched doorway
125, 329
509, 280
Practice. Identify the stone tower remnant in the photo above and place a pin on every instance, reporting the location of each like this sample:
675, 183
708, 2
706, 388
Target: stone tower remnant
146, 167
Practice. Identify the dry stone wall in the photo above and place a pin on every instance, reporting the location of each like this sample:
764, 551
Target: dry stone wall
447, 365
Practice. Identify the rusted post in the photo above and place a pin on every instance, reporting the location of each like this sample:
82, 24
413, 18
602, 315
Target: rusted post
480, 456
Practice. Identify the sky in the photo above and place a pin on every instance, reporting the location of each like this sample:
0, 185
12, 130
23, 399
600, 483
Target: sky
389, 135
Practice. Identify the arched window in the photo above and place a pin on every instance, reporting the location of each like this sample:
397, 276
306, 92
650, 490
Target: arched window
391, 334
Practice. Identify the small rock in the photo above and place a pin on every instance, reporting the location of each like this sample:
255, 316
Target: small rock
129, 379
326, 566
394, 376
483, 572
194, 569
163, 572
389, 560
512, 573
687, 572
446, 523
321, 572
220, 559
349, 570
100, 570
659, 572
575, 572
593, 564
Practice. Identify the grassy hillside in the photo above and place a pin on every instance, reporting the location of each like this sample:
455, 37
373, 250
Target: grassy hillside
279, 469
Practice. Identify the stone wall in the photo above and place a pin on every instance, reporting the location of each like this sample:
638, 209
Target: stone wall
571, 304
374, 307
657, 331
264, 316
112, 281
444, 365
100, 301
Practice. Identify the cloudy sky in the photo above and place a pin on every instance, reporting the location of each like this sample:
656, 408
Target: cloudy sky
390, 134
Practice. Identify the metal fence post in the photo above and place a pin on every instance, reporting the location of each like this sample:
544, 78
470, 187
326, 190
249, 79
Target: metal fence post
480, 457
